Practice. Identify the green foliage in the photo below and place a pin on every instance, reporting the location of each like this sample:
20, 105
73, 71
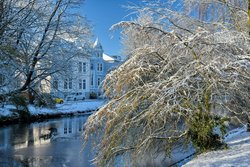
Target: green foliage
45, 100
202, 124
201, 130
93, 95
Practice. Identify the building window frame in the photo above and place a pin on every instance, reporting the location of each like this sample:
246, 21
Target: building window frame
84, 84
65, 85
68, 83
100, 67
79, 67
98, 81
82, 67
80, 84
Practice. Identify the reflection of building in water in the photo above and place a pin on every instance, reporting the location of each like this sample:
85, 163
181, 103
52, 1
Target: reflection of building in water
4, 138
40, 134
71, 128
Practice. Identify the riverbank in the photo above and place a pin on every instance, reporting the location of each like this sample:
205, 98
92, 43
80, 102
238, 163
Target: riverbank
7, 116
237, 154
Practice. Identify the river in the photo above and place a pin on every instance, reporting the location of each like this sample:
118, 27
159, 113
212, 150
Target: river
54, 143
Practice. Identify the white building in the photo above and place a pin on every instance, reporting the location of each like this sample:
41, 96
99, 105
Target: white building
87, 73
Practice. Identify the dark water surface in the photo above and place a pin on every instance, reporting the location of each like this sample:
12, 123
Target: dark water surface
56, 143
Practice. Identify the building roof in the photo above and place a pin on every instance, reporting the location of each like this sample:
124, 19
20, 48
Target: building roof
107, 57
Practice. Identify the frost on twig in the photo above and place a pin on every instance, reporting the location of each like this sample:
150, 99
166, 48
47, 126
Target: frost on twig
168, 78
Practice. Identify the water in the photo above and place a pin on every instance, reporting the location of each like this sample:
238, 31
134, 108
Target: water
56, 143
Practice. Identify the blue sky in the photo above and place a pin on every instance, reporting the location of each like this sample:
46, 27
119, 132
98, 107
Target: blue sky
103, 14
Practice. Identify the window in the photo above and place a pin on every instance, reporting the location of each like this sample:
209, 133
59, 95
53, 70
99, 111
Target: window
83, 84
80, 84
68, 84
99, 67
82, 67
92, 66
98, 81
99, 54
55, 84
79, 67
70, 126
65, 127
2, 79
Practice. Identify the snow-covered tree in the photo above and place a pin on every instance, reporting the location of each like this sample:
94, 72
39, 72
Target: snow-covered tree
184, 77
38, 38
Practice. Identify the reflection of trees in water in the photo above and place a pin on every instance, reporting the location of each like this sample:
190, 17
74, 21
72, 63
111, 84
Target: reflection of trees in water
39, 162
19, 133
10, 162
4, 138
25, 135
22, 144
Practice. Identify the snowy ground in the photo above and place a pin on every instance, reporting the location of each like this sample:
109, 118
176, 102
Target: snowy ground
238, 154
67, 107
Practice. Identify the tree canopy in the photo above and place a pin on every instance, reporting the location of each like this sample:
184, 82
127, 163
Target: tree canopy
37, 39
187, 74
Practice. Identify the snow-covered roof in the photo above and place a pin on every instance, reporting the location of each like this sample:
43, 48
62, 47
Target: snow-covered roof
107, 57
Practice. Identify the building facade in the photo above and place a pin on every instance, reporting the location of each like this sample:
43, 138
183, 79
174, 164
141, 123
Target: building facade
86, 74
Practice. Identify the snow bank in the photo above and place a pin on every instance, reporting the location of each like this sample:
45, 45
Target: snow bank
238, 153
5, 111
67, 107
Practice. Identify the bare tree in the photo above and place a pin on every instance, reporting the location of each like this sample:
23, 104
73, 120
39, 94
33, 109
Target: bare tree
35, 34
184, 77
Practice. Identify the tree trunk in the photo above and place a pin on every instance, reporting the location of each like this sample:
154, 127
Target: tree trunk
1, 17
31, 97
249, 17
248, 124
248, 127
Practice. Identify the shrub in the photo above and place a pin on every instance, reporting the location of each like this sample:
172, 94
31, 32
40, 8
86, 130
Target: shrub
92, 95
21, 106
201, 131
45, 100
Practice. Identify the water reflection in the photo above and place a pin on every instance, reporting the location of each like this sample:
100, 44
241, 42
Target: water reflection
53, 143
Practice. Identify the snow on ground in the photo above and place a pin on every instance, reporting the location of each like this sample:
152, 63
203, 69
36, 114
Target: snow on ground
67, 107
238, 153
5, 111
